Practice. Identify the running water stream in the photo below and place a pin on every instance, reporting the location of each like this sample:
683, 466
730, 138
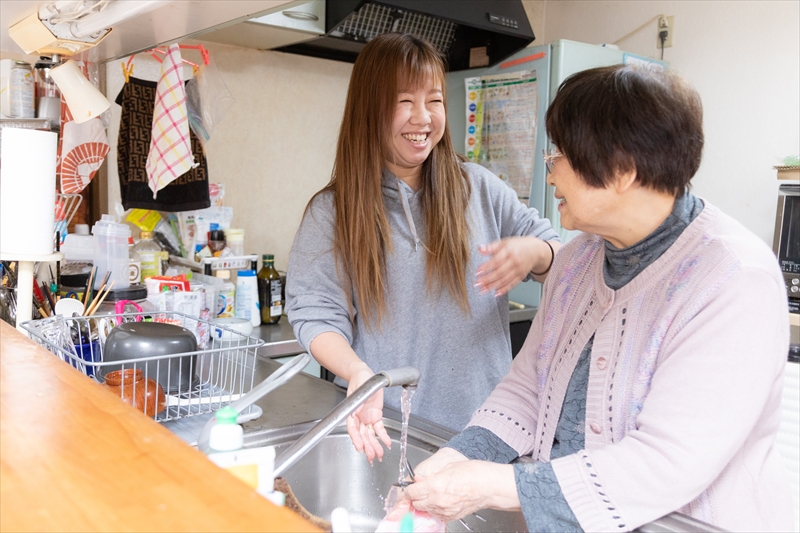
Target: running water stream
399, 509
405, 409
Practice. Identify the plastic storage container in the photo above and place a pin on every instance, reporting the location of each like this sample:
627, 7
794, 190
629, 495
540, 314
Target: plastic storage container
133, 298
78, 248
111, 252
234, 239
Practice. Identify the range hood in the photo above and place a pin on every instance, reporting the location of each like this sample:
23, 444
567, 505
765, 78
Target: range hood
468, 33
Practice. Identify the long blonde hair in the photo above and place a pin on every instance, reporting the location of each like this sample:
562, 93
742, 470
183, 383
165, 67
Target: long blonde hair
361, 236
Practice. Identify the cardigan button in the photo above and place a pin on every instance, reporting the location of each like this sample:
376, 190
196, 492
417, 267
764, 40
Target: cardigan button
601, 363
595, 427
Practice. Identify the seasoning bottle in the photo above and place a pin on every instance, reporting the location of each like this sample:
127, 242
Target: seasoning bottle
164, 262
216, 241
22, 90
226, 295
150, 253
134, 264
269, 291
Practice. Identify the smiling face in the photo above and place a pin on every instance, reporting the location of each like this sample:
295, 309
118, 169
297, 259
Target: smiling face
418, 125
581, 206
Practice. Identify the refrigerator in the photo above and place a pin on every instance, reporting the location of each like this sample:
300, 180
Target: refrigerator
552, 64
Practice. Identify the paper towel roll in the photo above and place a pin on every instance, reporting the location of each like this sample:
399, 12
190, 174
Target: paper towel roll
27, 191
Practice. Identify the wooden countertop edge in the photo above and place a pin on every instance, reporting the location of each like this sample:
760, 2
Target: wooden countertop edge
75, 458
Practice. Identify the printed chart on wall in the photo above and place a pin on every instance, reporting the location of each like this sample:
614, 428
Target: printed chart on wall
501, 126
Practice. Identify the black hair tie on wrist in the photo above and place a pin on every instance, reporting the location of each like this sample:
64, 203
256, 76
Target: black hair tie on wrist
552, 257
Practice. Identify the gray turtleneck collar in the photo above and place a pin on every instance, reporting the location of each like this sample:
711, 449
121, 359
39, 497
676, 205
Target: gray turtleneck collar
624, 264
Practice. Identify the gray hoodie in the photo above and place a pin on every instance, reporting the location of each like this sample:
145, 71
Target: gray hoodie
461, 356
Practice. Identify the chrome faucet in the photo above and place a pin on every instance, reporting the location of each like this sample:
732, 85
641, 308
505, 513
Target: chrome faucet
275, 380
405, 377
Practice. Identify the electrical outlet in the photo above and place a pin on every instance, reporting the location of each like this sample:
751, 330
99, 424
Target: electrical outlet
668, 24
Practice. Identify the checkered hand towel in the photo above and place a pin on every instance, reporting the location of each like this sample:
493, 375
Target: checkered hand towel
170, 148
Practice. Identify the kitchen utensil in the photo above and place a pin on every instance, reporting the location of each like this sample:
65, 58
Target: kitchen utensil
135, 340
90, 352
99, 299
8, 305
396, 491
67, 306
144, 394
87, 289
119, 308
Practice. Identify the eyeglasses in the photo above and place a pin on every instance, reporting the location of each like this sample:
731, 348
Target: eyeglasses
549, 158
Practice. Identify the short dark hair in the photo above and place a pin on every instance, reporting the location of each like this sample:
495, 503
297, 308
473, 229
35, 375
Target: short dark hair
629, 117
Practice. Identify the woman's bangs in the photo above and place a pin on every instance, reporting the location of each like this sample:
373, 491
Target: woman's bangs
417, 69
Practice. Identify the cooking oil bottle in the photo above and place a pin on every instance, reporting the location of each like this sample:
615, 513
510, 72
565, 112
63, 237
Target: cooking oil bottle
269, 291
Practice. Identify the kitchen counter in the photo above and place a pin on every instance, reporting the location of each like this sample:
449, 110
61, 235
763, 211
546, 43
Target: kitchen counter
279, 338
75, 458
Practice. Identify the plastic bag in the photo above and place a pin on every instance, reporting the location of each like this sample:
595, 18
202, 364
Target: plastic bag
207, 101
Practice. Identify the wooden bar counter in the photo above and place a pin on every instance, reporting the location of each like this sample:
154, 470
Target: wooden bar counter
75, 458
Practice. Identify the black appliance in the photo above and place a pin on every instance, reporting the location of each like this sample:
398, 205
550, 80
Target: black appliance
468, 33
787, 241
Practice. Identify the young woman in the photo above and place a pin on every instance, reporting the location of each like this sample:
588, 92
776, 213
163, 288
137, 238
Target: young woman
651, 379
389, 267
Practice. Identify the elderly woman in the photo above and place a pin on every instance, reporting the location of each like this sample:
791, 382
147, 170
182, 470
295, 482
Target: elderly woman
651, 379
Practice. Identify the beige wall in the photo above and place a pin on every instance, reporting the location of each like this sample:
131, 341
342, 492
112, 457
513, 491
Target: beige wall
744, 59
275, 147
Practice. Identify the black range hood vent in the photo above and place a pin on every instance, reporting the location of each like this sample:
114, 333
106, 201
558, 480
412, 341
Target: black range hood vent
468, 33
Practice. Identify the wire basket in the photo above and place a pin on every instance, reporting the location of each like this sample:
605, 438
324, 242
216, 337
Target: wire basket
166, 387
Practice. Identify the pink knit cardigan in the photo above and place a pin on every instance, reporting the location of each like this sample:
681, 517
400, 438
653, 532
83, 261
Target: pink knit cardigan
683, 400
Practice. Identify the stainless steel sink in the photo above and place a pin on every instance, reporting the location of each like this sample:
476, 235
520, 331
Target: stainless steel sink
333, 475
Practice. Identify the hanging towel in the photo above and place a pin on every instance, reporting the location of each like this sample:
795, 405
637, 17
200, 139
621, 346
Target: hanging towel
81, 149
188, 192
170, 154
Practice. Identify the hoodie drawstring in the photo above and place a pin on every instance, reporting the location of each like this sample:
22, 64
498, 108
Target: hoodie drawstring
409, 218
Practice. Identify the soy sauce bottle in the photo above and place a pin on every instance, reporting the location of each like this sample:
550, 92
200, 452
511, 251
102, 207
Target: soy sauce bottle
269, 291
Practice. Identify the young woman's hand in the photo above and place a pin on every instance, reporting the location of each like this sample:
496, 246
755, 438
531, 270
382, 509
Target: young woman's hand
365, 425
512, 259
464, 487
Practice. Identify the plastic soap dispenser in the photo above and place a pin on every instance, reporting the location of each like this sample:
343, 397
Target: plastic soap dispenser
226, 435
254, 466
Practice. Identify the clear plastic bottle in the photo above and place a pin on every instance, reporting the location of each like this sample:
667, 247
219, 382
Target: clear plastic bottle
247, 305
226, 295
135, 263
150, 253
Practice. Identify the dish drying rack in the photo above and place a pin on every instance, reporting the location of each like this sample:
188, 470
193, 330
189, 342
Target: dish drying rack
219, 374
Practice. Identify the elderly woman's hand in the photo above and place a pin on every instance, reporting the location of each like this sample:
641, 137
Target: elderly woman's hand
438, 461
464, 487
512, 259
